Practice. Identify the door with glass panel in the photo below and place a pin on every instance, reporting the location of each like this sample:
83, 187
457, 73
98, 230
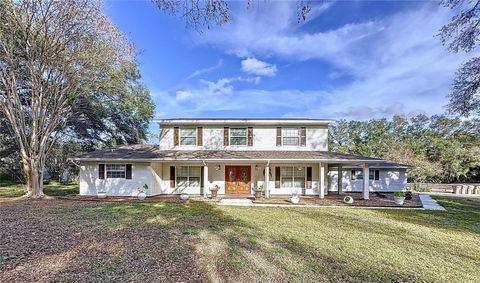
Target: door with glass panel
237, 179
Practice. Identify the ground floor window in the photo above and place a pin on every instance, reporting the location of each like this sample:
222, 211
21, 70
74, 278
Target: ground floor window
188, 176
292, 177
357, 175
116, 171
374, 175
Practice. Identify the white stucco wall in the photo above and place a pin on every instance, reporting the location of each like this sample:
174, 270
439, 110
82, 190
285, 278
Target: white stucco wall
90, 184
389, 181
264, 138
157, 176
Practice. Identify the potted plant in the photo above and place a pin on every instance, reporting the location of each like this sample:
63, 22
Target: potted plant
399, 197
184, 196
294, 199
408, 195
348, 200
258, 191
142, 192
101, 194
214, 191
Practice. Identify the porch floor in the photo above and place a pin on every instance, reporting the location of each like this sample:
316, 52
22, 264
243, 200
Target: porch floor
332, 199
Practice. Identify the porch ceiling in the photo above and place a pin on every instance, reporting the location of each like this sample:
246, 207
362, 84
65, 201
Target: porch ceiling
150, 153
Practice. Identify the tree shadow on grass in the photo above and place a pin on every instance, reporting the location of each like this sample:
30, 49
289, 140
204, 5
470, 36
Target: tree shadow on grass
87, 241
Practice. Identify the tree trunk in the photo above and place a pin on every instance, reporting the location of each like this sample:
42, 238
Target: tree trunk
34, 177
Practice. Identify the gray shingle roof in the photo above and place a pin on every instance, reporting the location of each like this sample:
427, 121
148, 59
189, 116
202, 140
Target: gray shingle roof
152, 152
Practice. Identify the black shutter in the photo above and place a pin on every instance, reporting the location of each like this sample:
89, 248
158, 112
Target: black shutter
277, 177
303, 136
101, 171
202, 181
128, 172
250, 136
279, 136
172, 176
309, 177
377, 175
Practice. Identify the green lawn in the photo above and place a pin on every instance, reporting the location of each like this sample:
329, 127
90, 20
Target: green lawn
60, 240
10, 189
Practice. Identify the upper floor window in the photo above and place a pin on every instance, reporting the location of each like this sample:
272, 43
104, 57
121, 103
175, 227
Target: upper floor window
238, 136
116, 171
291, 136
188, 136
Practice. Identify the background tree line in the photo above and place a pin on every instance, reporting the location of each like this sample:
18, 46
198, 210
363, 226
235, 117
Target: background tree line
443, 149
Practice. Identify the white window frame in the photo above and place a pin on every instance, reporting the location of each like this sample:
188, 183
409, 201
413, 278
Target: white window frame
232, 136
295, 169
285, 136
188, 128
118, 171
177, 182
373, 172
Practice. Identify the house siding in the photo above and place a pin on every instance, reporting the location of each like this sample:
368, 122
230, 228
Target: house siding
264, 138
389, 181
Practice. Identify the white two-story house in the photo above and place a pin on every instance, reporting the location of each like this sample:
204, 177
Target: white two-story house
284, 156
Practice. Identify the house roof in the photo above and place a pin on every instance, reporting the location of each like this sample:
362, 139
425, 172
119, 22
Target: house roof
379, 165
149, 153
244, 121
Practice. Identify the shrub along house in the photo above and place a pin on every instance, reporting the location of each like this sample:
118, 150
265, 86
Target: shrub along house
194, 155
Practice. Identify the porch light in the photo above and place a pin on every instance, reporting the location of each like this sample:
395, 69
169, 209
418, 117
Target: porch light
218, 167
257, 167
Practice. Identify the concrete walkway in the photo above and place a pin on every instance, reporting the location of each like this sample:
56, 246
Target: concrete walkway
451, 195
429, 203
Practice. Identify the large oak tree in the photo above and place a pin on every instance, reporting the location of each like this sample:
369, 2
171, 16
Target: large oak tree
57, 61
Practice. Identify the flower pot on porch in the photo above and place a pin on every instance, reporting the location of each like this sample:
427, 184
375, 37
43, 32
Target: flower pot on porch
141, 196
295, 199
258, 194
101, 195
214, 193
399, 200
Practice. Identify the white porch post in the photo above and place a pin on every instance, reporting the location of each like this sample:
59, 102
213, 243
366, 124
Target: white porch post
205, 181
340, 180
321, 180
326, 180
366, 181
267, 181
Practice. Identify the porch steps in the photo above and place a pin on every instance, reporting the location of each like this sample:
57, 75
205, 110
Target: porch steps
236, 201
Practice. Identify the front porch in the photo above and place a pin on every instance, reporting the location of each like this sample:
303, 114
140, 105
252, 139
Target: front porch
329, 200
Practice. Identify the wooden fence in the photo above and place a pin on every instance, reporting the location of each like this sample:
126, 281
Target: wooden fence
459, 188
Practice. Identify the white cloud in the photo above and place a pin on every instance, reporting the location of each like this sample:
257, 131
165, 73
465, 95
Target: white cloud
199, 72
257, 67
395, 65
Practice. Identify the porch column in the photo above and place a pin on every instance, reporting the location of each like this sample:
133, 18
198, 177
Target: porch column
340, 180
321, 180
267, 181
366, 181
206, 183
326, 180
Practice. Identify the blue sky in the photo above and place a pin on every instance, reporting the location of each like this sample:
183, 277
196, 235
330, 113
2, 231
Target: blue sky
350, 59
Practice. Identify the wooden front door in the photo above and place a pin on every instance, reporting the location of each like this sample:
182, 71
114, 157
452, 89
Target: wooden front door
237, 179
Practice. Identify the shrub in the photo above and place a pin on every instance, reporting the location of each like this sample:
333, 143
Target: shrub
399, 194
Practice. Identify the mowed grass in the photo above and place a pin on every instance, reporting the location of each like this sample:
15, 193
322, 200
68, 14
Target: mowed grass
9, 189
200, 241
